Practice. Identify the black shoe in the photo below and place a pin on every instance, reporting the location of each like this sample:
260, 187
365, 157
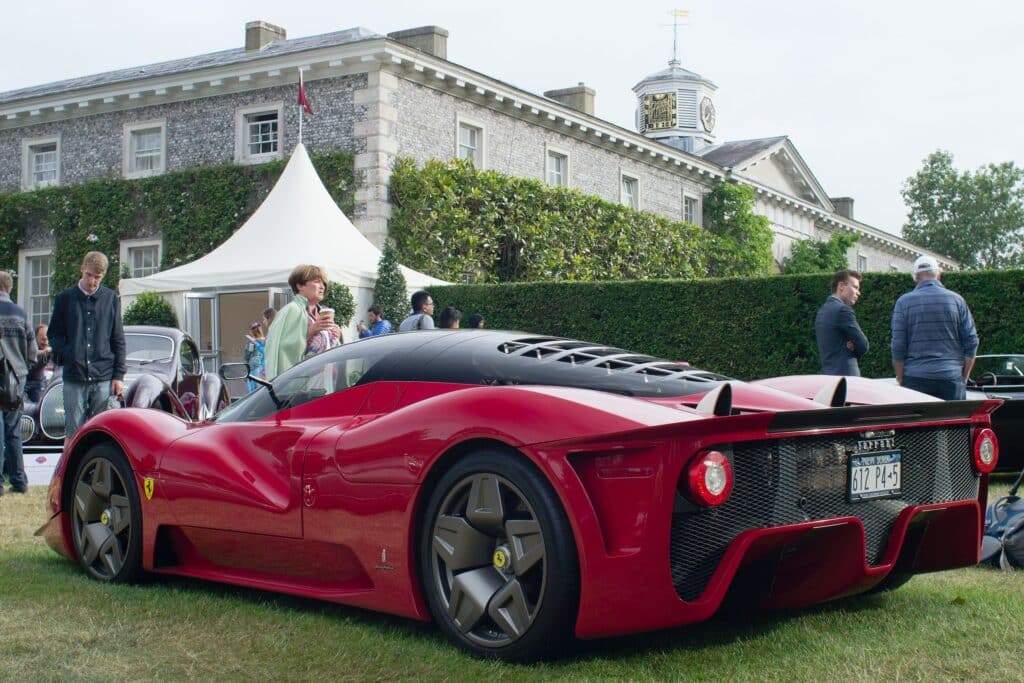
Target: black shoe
24, 490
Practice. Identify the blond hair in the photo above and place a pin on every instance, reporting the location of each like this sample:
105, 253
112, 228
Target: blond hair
96, 262
6, 281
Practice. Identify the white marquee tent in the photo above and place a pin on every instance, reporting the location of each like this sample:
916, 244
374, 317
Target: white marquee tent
297, 223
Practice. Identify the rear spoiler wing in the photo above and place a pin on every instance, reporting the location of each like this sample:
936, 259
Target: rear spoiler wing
855, 416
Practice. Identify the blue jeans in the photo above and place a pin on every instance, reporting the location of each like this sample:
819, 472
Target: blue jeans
946, 389
82, 400
11, 460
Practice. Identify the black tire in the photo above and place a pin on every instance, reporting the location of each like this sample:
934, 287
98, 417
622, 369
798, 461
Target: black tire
891, 583
501, 581
106, 516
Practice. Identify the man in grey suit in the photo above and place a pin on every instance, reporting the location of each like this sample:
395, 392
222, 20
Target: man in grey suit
840, 339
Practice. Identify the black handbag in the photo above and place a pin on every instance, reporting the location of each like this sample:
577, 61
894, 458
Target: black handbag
1003, 542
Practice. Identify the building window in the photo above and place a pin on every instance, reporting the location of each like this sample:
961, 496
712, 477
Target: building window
34, 282
629, 191
691, 209
258, 135
470, 143
862, 263
140, 258
556, 166
41, 163
144, 149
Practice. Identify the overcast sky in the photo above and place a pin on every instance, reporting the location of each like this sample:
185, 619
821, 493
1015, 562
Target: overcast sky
865, 90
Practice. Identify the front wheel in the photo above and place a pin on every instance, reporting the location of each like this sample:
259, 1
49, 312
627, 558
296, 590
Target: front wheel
498, 559
106, 516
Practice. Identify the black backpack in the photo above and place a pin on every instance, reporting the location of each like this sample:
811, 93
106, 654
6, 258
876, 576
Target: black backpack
10, 387
1003, 542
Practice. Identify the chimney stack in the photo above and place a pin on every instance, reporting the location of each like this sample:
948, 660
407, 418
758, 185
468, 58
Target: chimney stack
844, 206
580, 98
258, 34
430, 39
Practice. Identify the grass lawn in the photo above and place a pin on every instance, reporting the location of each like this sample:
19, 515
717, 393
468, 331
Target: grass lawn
55, 624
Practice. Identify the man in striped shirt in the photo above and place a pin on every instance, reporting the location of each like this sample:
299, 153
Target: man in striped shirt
933, 336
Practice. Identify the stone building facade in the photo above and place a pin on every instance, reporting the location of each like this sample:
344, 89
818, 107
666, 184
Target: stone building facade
381, 97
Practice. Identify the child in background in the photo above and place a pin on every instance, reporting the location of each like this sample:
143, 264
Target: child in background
255, 347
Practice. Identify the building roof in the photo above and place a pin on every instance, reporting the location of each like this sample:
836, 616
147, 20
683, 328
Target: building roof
734, 153
674, 72
237, 55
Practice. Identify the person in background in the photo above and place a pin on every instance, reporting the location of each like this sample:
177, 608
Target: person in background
19, 349
255, 353
88, 343
378, 325
476, 321
933, 336
300, 329
39, 373
840, 340
421, 317
450, 317
268, 317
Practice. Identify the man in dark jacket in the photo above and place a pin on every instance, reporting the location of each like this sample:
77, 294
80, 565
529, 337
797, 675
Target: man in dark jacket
18, 346
88, 342
840, 339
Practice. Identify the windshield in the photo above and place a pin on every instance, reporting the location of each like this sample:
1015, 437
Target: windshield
1000, 366
148, 347
335, 370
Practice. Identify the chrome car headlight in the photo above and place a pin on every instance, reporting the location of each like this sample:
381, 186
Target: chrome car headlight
28, 428
51, 412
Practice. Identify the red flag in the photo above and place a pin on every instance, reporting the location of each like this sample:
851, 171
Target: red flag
303, 102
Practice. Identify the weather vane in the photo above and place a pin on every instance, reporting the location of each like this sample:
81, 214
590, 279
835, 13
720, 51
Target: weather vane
677, 14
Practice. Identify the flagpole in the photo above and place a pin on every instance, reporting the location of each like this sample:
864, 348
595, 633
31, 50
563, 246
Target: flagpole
300, 107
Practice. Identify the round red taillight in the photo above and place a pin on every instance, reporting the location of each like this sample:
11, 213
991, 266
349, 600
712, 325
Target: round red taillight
709, 478
986, 451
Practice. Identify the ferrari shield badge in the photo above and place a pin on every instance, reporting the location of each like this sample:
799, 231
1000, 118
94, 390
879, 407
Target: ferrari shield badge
147, 486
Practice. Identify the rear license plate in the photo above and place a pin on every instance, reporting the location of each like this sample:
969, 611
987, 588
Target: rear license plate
875, 475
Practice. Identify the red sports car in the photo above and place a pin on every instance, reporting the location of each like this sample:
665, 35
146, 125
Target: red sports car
520, 490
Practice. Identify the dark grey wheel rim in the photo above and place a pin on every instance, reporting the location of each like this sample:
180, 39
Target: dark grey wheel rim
101, 519
489, 560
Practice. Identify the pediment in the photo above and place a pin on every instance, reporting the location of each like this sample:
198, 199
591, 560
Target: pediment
780, 167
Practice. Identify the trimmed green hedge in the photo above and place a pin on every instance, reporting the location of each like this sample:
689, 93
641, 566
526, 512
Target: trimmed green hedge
465, 225
744, 327
195, 209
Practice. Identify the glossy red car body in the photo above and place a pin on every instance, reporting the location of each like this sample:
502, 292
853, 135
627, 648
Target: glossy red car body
326, 499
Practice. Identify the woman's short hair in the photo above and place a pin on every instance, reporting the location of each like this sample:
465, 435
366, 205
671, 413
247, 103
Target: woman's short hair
303, 273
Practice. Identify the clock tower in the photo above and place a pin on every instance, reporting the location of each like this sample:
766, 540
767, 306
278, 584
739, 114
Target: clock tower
676, 106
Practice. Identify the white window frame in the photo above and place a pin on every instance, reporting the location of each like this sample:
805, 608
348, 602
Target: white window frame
242, 155
126, 247
129, 152
23, 283
551, 151
697, 209
862, 262
28, 157
623, 177
480, 159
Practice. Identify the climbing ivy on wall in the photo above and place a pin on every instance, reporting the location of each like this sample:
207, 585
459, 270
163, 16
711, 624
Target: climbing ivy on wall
195, 210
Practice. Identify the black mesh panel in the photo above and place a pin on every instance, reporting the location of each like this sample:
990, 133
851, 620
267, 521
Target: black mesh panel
788, 481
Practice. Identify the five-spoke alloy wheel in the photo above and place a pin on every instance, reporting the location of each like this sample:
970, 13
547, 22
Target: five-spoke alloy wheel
499, 565
106, 517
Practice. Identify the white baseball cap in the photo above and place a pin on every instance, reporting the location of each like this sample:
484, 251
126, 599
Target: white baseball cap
924, 264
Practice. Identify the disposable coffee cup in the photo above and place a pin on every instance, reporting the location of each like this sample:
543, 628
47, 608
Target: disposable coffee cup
327, 312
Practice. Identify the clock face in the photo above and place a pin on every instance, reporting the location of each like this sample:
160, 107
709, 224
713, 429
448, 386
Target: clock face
707, 114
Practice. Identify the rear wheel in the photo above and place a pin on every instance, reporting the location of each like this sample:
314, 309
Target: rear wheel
106, 517
498, 559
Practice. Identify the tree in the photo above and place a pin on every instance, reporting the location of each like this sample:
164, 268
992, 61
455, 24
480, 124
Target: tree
390, 291
815, 256
339, 297
741, 239
976, 218
149, 308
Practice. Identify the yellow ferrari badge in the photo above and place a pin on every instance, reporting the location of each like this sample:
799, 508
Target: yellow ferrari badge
147, 486
500, 559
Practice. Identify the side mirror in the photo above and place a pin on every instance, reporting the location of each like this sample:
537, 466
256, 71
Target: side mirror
234, 370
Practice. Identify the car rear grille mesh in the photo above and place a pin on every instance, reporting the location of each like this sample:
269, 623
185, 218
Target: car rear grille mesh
789, 481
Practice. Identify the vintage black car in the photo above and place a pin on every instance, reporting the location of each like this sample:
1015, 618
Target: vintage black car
164, 372
1002, 376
